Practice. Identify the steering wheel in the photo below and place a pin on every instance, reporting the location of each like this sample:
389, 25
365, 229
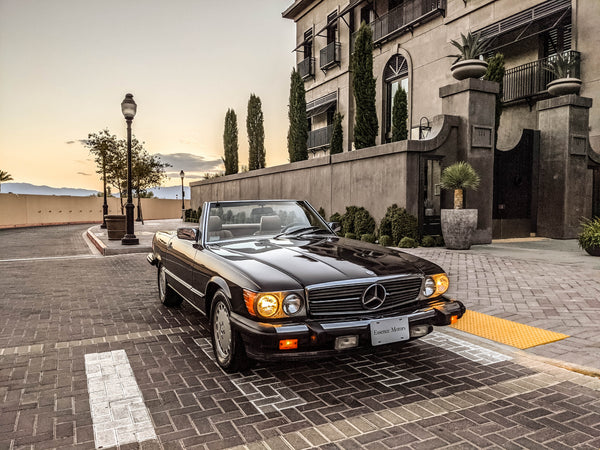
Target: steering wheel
293, 225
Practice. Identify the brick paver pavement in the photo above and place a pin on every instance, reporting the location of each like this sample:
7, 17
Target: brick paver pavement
437, 392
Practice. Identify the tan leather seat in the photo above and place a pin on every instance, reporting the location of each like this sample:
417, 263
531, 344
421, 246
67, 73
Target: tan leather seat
216, 231
269, 225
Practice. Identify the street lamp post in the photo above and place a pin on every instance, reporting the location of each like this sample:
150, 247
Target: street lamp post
128, 107
182, 174
105, 204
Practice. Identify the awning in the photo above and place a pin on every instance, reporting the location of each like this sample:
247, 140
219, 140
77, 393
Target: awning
321, 105
538, 19
349, 7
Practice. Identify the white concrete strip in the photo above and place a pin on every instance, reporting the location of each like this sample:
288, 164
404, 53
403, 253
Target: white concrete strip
50, 258
472, 352
119, 414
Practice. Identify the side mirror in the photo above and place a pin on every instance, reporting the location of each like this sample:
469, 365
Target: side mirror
187, 234
335, 226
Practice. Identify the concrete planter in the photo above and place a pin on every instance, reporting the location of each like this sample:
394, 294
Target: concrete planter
564, 86
593, 251
457, 227
469, 68
116, 226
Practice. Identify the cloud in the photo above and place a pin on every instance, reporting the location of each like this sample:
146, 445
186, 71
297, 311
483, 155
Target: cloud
81, 141
84, 174
189, 163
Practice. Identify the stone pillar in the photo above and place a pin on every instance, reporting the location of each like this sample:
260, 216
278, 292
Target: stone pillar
564, 179
474, 101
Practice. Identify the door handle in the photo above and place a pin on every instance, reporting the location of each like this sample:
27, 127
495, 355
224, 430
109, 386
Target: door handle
170, 245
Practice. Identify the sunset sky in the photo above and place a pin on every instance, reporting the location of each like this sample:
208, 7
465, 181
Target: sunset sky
66, 65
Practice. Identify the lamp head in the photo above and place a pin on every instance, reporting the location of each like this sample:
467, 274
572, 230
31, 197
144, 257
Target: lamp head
182, 174
128, 107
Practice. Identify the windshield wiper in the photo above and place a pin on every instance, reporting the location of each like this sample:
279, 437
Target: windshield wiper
302, 230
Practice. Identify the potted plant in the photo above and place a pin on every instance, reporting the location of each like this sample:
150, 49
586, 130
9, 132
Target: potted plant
563, 66
467, 63
589, 238
458, 224
428, 204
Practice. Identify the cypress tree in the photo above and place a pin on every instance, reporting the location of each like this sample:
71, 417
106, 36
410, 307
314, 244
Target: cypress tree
366, 124
399, 116
495, 72
230, 143
337, 136
298, 130
256, 134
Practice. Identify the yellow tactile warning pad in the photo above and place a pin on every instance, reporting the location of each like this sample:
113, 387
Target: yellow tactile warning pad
505, 331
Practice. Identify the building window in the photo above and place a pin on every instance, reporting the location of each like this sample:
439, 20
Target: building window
332, 26
395, 76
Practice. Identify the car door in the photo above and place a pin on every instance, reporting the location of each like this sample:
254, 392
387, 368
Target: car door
180, 258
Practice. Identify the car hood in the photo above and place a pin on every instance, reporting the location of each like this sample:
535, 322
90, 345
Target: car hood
308, 261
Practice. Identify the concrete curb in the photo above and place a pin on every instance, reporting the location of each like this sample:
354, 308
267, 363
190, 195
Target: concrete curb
95, 241
108, 251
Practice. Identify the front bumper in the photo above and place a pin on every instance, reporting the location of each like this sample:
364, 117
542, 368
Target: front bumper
316, 338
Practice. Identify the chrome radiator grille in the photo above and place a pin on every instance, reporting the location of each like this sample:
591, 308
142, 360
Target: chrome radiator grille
347, 298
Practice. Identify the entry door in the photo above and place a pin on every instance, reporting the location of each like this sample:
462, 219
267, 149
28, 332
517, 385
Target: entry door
515, 188
430, 204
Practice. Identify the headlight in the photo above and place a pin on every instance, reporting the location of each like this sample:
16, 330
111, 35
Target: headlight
435, 285
292, 304
273, 305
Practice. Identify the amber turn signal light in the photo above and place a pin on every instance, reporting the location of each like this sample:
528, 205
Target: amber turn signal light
453, 319
288, 344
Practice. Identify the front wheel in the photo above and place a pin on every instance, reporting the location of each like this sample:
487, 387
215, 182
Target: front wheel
167, 296
228, 346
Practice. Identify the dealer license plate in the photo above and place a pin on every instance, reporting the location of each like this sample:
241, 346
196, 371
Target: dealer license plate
386, 331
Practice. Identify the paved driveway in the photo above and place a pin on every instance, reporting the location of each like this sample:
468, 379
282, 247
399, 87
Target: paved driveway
443, 391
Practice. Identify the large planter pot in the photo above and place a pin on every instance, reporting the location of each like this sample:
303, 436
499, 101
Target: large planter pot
594, 251
457, 227
116, 226
469, 68
564, 86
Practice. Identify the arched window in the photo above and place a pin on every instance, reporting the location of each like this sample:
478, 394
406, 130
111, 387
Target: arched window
395, 76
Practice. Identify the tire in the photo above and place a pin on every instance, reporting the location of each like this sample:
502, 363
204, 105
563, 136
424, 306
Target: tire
227, 344
166, 294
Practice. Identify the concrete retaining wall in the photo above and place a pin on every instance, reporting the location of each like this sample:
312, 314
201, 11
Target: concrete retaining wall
37, 210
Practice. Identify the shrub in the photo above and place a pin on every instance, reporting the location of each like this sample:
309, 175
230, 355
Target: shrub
385, 240
348, 219
363, 222
428, 241
188, 214
408, 242
590, 233
368, 237
398, 223
439, 240
335, 217
321, 212
350, 236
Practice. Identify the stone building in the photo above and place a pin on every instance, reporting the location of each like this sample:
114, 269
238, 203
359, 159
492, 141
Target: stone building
545, 170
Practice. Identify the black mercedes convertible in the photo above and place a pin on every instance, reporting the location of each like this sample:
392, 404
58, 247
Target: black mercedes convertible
276, 282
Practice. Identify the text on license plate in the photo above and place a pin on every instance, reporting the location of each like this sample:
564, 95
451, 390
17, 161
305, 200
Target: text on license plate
386, 331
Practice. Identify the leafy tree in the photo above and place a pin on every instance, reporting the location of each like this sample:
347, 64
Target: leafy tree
337, 136
366, 124
4, 177
256, 134
495, 72
230, 143
399, 116
298, 130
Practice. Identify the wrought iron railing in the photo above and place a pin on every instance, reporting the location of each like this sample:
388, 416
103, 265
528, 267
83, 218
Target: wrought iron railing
401, 17
319, 138
306, 68
330, 55
531, 79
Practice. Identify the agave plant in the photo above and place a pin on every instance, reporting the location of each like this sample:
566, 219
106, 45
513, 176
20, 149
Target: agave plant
457, 177
562, 65
470, 48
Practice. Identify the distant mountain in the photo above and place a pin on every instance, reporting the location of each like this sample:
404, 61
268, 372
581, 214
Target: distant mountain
171, 192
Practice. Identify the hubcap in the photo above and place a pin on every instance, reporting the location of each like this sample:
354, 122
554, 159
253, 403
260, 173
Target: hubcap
222, 332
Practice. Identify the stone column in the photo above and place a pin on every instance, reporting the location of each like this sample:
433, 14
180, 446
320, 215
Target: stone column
474, 101
565, 182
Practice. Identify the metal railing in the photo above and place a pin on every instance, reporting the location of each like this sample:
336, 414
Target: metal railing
319, 138
531, 79
306, 68
329, 55
408, 13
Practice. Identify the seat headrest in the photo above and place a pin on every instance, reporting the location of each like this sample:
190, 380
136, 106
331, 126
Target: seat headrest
270, 224
214, 223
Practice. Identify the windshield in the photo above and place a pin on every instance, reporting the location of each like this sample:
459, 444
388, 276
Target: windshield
240, 220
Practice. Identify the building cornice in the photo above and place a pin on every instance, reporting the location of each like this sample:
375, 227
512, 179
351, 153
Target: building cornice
297, 7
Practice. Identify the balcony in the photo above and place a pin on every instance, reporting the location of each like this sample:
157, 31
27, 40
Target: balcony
530, 80
319, 139
405, 17
330, 56
306, 68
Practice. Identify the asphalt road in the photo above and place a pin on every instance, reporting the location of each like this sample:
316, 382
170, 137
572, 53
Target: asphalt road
59, 305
